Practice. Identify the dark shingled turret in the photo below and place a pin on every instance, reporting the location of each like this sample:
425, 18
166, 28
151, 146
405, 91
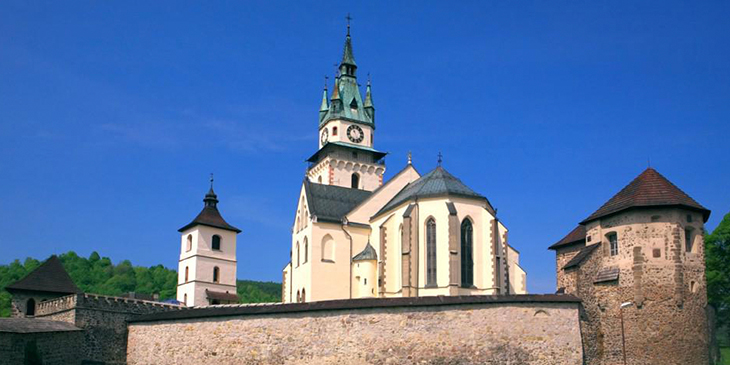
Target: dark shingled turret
650, 189
210, 216
50, 277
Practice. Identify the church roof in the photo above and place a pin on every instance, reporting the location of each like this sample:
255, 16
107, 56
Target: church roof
438, 182
368, 253
210, 216
50, 277
578, 234
649, 189
35, 325
331, 203
217, 295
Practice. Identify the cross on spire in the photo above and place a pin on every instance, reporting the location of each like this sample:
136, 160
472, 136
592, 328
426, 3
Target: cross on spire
410, 160
326, 78
440, 158
211, 180
348, 18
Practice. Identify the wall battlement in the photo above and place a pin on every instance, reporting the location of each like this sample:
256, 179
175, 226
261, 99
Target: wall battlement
102, 303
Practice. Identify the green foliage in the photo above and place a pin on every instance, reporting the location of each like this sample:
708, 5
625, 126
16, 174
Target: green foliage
717, 256
98, 275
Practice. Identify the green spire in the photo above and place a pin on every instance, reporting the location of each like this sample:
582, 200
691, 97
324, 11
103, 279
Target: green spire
368, 96
325, 103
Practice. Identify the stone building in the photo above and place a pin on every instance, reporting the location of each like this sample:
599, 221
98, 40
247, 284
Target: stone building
356, 236
207, 268
48, 281
640, 259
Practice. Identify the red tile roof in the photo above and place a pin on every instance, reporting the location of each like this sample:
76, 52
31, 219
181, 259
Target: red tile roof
578, 234
649, 189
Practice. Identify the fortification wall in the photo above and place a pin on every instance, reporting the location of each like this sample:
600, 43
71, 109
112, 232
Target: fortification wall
103, 319
40, 348
521, 329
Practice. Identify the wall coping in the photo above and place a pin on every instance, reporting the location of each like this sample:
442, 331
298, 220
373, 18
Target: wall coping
346, 304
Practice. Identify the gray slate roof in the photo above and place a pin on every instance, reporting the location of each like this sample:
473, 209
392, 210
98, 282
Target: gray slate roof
331, 203
50, 277
210, 216
438, 182
34, 325
368, 253
607, 274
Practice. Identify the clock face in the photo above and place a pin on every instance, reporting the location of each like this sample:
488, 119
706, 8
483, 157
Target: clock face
325, 135
355, 134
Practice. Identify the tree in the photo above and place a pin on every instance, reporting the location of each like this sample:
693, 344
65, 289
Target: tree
717, 258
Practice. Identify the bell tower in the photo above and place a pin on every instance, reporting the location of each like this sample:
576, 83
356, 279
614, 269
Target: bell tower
207, 266
346, 156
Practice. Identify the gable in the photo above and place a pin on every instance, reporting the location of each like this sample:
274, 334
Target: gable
381, 196
330, 203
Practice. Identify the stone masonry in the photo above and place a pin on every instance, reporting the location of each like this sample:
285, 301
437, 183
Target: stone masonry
525, 329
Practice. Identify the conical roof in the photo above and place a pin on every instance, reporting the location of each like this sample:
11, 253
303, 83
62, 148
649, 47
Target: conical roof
210, 216
49, 277
348, 58
368, 253
649, 189
438, 182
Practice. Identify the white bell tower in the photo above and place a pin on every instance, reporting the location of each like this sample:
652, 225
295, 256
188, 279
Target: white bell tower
207, 266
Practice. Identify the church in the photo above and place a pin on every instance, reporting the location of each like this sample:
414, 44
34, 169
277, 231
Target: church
357, 236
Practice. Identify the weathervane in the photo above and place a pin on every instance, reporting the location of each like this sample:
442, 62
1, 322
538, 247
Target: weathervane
211, 180
348, 17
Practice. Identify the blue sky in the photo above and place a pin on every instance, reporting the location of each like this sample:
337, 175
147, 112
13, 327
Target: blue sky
112, 114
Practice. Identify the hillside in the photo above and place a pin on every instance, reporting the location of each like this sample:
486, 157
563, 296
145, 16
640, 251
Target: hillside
99, 275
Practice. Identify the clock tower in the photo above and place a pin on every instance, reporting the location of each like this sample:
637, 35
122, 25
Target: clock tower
346, 156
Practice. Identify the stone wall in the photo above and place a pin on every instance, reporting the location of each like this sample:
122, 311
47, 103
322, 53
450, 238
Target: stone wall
40, 348
103, 319
521, 329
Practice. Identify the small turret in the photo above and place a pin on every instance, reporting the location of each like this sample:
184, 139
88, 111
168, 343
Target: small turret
324, 107
368, 105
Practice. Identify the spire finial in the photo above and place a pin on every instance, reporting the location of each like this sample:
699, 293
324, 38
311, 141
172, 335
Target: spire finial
348, 18
440, 160
326, 78
210, 198
211, 181
368, 78
410, 158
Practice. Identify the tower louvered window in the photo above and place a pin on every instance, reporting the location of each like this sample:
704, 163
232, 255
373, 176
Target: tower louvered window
431, 252
467, 260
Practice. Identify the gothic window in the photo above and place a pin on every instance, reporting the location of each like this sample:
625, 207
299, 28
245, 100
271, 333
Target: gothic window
355, 181
297, 254
334, 131
688, 241
299, 297
216, 242
328, 249
187, 271
612, 243
216, 274
304, 295
305, 222
189, 243
319, 179
185, 299
30, 307
306, 250
467, 260
431, 252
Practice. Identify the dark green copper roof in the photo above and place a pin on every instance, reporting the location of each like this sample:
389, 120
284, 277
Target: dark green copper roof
368, 253
438, 182
348, 58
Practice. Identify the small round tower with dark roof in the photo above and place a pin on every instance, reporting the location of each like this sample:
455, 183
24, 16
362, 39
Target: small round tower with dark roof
640, 260
207, 266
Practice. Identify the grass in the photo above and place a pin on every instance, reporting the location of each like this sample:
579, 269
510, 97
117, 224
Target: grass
725, 351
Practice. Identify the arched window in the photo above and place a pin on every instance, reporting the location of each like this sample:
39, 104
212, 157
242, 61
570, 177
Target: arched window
334, 131
190, 243
431, 252
187, 271
304, 295
297, 224
688, 240
185, 299
328, 249
319, 179
305, 223
306, 250
612, 243
355, 181
30, 307
467, 252
216, 242
297, 254
216, 274
299, 297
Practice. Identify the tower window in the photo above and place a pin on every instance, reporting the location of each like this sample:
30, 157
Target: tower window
319, 179
216, 274
354, 155
689, 218
185, 299
355, 181
306, 250
298, 254
189, 245
688, 241
30, 307
431, 252
334, 131
216, 242
612, 243
187, 271
304, 295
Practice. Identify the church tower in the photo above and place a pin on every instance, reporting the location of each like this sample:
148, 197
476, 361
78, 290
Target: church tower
207, 266
346, 156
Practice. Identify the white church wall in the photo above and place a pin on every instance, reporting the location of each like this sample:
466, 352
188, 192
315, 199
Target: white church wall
328, 278
375, 202
482, 244
367, 140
